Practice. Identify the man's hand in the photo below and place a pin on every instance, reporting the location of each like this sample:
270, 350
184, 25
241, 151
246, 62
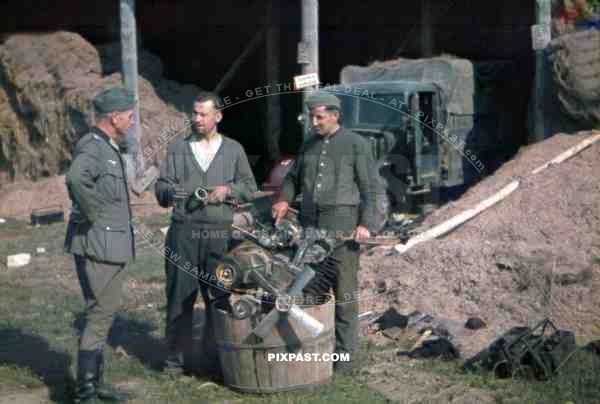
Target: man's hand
279, 211
219, 194
361, 233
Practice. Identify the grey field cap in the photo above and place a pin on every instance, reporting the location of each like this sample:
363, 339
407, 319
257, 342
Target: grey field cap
113, 99
322, 98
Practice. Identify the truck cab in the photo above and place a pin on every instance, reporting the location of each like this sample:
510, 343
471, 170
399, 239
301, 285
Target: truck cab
405, 148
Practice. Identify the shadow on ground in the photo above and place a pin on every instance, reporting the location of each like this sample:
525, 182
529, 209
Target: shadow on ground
135, 338
25, 350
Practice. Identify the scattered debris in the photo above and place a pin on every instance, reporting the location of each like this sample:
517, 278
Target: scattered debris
2, 220
164, 230
40, 250
393, 333
438, 329
121, 353
380, 285
475, 323
18, 260
391, 318
593, 347
49, 215
431, 345
566, 279
524, 351
417, 317
366, 315
207, 384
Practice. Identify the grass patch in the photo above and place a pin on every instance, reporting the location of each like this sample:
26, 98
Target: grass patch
578, 380
38, 329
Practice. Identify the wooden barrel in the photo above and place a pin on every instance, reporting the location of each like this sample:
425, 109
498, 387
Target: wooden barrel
245, 364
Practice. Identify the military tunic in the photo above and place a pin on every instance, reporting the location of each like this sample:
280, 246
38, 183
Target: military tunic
337, 179
99, 233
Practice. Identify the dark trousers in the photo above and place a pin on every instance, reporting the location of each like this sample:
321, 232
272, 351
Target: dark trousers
193, 253
102, 287
343, 220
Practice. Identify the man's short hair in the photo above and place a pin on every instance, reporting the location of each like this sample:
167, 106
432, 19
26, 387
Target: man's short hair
205, 96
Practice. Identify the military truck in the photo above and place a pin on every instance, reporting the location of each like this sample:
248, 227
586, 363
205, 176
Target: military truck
436, 125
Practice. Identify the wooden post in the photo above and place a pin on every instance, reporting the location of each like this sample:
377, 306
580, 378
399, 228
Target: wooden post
427, 42
272, 73
543, 18
308, 48
129, 70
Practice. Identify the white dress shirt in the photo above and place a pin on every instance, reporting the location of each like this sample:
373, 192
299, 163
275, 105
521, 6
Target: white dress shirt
205, 151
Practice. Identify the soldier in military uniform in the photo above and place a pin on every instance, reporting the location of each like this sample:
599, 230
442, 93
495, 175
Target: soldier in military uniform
199, 234
334, 170
100, 235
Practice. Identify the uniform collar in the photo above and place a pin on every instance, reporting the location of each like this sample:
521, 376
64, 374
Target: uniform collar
96, 130
332, 135
100, 133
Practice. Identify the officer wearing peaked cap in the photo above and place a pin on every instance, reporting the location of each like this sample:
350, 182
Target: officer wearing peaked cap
99, 234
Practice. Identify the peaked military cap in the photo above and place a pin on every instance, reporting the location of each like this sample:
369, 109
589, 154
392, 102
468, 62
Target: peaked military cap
322, 98
114, 99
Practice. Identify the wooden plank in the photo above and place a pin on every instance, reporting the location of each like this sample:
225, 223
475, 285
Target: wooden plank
466, 215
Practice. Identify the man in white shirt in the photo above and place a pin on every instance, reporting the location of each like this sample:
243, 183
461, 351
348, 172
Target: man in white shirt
199, 234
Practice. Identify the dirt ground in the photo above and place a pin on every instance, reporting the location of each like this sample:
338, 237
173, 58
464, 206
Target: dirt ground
543, 238
19, 199
530, 256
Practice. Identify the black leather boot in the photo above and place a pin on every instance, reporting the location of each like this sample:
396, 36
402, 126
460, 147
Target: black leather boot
104, 391
85, 392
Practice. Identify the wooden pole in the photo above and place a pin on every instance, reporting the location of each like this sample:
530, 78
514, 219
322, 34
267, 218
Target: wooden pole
543, 16
129, 70
426, 29
308, 48
272, 73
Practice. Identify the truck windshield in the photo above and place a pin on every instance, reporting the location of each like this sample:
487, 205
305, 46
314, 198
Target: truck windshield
388, 110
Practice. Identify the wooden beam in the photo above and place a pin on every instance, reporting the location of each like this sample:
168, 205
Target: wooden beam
427, 34
308, 48
543, 18
129, 70
272, 73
